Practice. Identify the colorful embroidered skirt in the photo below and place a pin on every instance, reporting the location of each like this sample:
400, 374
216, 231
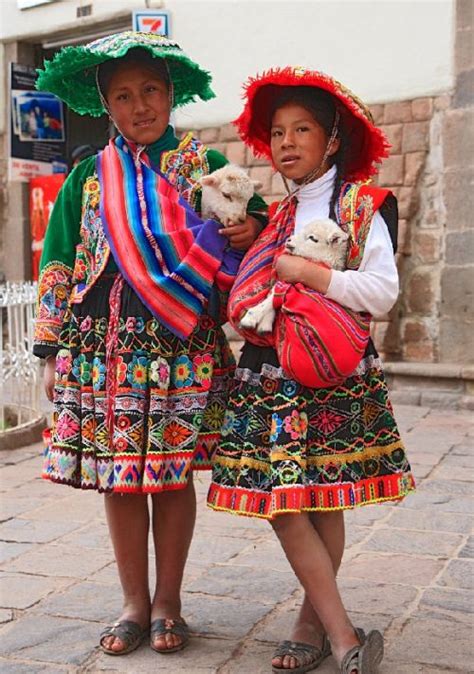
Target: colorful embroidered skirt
288, 448
169, 403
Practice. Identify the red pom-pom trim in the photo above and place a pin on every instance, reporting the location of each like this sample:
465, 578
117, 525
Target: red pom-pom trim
368, 144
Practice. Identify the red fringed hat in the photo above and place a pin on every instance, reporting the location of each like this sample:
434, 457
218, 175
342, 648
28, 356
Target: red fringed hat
367, 143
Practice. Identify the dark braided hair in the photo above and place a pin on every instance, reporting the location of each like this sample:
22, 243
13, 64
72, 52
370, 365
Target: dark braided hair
322, 107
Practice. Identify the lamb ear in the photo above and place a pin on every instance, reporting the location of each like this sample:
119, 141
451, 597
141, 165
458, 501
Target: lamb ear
257, 184
209, 180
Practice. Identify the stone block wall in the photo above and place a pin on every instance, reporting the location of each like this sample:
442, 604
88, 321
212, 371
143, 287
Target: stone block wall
3, 205
416, 175
456, 338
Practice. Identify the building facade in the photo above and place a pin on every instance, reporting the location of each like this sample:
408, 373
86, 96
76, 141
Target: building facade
412, 62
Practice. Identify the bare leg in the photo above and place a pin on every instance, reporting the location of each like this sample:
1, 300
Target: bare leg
128, 520
174, 514
314, 568
308, 627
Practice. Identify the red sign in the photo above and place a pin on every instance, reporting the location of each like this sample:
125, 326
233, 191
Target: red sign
43, 193
151, 21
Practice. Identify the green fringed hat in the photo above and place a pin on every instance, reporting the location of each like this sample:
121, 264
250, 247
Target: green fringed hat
72, 73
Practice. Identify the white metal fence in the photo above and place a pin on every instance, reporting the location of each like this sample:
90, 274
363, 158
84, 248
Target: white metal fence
19, 369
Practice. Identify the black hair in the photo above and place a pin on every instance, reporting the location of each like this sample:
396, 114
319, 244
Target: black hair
323, 108
80, 152
138, 56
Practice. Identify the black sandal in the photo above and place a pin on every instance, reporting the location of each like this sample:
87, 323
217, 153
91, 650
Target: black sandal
366, 657
130, 634
308, 656
163, 626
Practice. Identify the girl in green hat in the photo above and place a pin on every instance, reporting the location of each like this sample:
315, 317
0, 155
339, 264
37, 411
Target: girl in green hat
131, 295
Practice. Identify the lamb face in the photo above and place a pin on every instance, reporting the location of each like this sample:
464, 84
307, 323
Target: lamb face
226, 193
321, 241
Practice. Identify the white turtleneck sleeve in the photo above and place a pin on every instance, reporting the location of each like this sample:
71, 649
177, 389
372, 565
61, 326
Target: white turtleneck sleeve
374, 286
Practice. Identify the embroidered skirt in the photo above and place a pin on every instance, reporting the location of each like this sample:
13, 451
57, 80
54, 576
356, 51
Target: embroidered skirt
288, 448
168, 404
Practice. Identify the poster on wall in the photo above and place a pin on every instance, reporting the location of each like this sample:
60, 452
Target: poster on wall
43, 193
37, 128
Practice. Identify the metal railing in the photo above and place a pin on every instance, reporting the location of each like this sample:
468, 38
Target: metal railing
20, 400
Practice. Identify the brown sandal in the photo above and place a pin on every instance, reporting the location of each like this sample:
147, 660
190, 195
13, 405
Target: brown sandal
163, 626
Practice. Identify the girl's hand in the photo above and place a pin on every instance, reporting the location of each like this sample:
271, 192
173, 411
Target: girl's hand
295, 269
242, 236
48, 377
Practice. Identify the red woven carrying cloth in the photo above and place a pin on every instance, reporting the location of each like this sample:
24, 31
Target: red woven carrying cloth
319, 342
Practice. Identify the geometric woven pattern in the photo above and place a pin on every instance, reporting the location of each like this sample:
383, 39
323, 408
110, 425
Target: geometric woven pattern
289, 448
169, 404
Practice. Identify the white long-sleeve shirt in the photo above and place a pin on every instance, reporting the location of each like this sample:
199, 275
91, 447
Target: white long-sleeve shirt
374, 286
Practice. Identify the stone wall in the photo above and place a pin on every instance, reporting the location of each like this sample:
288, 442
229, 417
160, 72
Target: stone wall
3, 205
456, 338
414, 172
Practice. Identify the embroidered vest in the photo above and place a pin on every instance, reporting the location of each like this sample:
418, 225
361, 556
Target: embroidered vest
355, 209
184, 166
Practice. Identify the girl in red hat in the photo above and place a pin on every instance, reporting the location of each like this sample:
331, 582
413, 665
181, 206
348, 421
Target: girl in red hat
298, 454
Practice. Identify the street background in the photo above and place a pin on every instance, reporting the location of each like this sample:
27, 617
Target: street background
407, 570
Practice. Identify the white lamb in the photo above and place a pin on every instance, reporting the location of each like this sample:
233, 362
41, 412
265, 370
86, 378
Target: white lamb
322, 241
226, 193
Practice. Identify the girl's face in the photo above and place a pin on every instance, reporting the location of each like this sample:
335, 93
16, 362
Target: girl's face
298, 142
138, 102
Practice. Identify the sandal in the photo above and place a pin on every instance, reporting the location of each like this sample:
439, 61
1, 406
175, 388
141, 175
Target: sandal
309, 657
162, 626
366, 657
130, 634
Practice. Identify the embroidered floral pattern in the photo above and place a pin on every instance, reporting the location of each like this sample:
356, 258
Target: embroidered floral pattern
160, 372
356, 212
93, 252
176, 434
275, 427
328, 421
137, 372
203, 368
121, 370
325, 453
151, 451
228, 422
182, 372
63, 364
184, 166
53, 291
214, 416
296, 424
98, 373
81, 369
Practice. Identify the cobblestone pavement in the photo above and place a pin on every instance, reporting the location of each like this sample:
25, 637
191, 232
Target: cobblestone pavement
408, 570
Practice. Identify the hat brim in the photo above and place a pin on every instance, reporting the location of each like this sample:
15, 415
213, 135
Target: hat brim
71, 74
367, 144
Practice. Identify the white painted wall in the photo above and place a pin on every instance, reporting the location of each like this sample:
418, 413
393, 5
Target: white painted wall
382, 49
